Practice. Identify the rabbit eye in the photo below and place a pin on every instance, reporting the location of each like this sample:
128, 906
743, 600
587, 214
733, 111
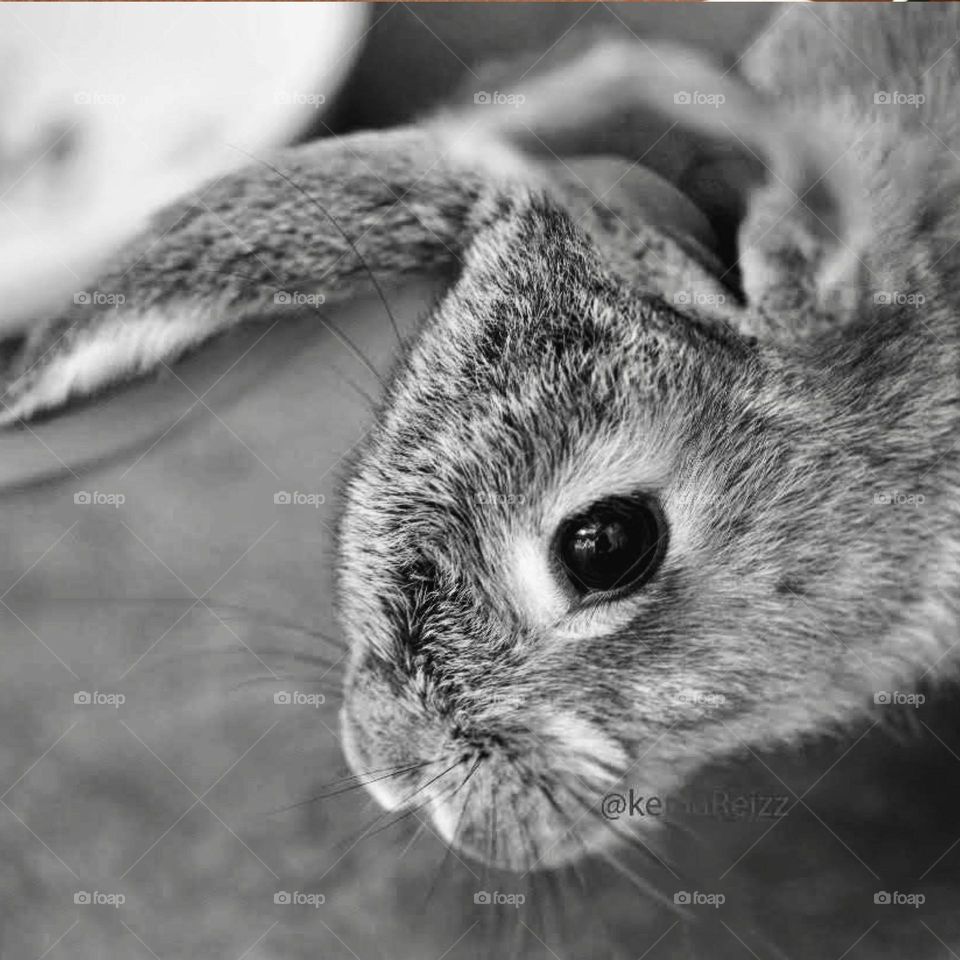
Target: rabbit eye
614, 546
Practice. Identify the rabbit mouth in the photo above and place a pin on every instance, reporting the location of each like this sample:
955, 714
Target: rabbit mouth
517, 800
523, 822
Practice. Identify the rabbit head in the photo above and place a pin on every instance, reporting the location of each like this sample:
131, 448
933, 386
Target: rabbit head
592, 542
602, 532
596, 541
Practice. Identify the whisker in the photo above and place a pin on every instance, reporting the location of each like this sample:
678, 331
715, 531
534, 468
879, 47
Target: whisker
363, 783
366, 831
626, 836
214, 606
356, 350
366, 397
494, 829
319, 206
409, 768
642, 885
489, 841
634, 844
456, 833
275, 621
530, 856
417, 834
371, 773
426, 803
334, 691
329, 661
407, 813
556, 904
575, 833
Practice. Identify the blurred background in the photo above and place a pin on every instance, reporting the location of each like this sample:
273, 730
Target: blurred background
109, 111
170, 768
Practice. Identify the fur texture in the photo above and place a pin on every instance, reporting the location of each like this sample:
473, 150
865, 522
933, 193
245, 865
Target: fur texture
544, 383
779, 429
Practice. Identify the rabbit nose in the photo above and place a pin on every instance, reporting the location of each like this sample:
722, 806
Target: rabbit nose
386, 744
394, 772
387, 782
397, 740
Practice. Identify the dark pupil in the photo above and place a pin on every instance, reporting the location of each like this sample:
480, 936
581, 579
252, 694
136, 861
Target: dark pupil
611, 546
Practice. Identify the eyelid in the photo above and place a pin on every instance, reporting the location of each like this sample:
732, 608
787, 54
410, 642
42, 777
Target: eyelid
596, 620
583, 604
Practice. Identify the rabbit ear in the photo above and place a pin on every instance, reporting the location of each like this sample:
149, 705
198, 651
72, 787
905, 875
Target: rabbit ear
788, 220
309, 227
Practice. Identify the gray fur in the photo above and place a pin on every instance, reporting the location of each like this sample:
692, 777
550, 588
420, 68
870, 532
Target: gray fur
225, 254
788, 590
554, 370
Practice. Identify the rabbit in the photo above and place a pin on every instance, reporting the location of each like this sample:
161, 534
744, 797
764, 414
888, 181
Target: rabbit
630, 504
